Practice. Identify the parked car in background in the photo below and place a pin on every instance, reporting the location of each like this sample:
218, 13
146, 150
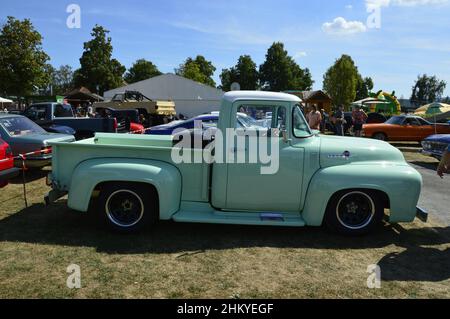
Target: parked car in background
168, 129
404, 128
435, 145
7, 169
127, 120
154, 112
24, 136
52, 115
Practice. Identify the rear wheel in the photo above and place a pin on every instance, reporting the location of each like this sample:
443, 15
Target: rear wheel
380, 136
354, 212
127, 207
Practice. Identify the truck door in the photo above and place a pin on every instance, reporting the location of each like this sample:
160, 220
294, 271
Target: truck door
247, 188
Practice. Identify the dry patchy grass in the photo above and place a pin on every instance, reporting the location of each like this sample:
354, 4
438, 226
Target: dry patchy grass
189, 261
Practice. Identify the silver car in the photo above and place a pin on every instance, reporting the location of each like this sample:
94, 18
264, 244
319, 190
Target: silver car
24, 136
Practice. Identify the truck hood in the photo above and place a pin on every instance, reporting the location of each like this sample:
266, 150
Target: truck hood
339, 150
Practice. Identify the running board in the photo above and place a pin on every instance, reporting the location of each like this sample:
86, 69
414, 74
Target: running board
240, 218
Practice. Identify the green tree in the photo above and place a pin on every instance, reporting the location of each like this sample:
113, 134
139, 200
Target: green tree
198, 69
23, 62
244, 73
141, 70
363, 87
427, 89
341, 80
98, 68
60, 80
280, 72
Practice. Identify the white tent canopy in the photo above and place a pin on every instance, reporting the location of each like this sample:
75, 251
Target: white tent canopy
3, 100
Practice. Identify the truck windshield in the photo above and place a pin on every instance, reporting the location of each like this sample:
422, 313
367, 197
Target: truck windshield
300, 127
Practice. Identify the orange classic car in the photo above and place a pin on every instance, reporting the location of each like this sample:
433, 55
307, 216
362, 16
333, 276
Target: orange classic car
404, 128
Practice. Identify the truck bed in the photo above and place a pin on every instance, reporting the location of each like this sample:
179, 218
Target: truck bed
67, 156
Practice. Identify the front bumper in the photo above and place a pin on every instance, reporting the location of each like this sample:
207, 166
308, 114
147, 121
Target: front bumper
7, 174
434, 154
422, 214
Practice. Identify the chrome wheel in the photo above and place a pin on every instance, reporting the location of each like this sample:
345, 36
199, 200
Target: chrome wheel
355, 210
124, 208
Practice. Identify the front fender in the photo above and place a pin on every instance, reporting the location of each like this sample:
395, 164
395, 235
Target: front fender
164, 177
401, 183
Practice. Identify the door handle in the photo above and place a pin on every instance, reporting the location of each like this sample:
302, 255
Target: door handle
235, 150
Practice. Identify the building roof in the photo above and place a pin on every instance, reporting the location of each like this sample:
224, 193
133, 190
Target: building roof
171, 87
83, 94
311, 95
260, 95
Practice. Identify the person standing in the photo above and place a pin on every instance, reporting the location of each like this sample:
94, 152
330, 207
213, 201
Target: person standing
340, 120
314, 118
359, 118
444, 165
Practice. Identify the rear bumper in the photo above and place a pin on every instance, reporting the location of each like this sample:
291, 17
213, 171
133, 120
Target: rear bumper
7, 174
422, 214
34, 162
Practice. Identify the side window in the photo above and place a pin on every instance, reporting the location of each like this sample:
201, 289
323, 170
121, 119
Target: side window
411, 121
36, 113
256, 116
423, 122
63, 111
31, 113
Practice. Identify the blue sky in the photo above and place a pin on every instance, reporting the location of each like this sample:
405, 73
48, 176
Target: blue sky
413, 37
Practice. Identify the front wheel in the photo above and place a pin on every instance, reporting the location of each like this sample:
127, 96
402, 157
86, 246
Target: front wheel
127, 207
354, 212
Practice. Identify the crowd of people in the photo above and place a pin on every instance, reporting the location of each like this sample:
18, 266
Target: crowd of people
318, 120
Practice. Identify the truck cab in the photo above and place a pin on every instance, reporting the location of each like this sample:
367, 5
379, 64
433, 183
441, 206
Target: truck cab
275, 171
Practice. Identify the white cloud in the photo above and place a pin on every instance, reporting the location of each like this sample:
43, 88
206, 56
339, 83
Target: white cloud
300, 54
349, 7
340, 26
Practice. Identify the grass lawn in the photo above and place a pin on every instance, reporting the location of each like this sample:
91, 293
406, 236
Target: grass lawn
188, 261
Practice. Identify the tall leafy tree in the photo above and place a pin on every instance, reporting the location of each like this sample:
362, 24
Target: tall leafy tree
60, 80
198, 69
23, 62
98, 68
280, 72
341, 80
141, 70
363, 87
244, 73
427, 89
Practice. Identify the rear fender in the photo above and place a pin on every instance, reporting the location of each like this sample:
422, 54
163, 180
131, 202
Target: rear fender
164, 177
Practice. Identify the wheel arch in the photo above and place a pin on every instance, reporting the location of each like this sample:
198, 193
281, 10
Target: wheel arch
398, 186
92, 174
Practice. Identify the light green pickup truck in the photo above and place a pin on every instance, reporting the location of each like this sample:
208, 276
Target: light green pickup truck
132, 181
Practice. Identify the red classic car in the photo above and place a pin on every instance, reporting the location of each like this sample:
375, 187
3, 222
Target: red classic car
7, 169
404, 128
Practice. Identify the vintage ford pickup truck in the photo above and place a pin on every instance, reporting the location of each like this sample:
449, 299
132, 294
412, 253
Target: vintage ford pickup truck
130, 182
